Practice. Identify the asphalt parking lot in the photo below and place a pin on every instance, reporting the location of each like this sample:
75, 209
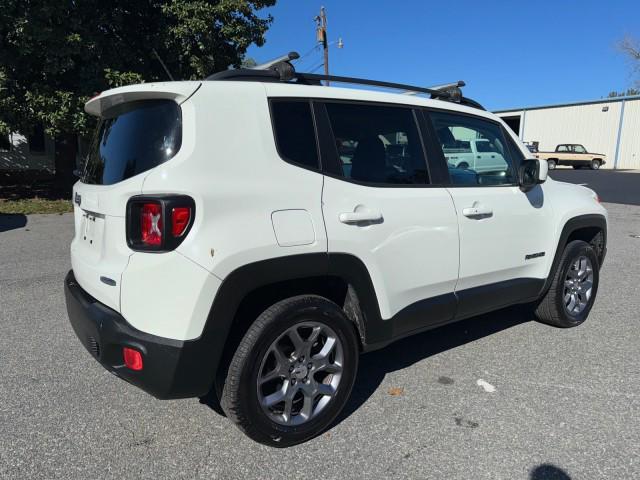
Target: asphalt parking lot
612, 186
496, 396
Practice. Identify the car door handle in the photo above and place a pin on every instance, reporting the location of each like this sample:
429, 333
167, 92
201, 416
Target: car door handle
362, 216
477, 210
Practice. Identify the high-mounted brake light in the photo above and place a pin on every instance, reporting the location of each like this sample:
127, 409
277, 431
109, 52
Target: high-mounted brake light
180, 217
151, 224
159, 223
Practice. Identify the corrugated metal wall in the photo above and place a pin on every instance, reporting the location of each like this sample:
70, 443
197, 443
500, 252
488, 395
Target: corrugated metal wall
588, 125
629, 155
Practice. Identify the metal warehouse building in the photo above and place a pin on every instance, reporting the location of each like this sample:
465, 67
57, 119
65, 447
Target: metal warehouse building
610, 126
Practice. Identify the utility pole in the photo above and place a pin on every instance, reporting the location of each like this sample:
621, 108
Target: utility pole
321, 36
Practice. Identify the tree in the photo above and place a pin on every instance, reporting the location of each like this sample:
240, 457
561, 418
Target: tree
55, 55
627, 93
631, 48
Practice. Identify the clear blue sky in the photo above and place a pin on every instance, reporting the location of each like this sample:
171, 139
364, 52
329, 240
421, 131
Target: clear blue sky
510, 53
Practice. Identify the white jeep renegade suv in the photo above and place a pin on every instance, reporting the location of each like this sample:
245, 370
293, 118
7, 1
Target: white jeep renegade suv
247, 236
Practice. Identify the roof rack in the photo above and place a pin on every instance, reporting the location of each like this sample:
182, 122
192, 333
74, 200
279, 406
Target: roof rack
281, 70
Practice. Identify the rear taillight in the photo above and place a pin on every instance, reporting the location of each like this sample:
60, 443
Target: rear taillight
180, 217
158, 223
151, 224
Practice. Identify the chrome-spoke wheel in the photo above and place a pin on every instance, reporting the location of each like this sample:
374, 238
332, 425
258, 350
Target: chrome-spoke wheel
578, 285
300, 373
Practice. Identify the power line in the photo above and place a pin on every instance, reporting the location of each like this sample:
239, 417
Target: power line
299, 60
316, 68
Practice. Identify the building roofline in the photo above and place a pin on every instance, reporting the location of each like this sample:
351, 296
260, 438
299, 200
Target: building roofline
572, 104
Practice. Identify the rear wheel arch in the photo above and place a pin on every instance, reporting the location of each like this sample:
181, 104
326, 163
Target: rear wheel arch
251, 289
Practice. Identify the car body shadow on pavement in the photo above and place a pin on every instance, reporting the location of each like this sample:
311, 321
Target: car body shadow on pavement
374, 366
12, 221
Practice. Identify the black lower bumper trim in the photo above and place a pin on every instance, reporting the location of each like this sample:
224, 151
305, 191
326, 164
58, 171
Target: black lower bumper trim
172, 368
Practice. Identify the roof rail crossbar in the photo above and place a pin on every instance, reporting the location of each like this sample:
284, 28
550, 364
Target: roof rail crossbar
283, 58
450, 92
316, 77
281, 70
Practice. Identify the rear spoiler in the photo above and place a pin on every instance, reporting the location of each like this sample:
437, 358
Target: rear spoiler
177, 91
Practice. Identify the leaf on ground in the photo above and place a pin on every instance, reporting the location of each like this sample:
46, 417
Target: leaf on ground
396, 391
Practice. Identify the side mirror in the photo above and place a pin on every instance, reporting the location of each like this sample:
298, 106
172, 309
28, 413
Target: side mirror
532, 172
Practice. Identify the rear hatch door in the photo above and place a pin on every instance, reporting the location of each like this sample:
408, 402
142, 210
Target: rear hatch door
139, 128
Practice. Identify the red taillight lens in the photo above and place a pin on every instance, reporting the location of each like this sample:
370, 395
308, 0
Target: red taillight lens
180, 217
132, 358
158, 223
151, 224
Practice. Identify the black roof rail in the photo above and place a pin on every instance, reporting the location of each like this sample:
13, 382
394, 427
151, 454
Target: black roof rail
281, 70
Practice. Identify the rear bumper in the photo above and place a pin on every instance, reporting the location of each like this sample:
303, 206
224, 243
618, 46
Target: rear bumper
172, 368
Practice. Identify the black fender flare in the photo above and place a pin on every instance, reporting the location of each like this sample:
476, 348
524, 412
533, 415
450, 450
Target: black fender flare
247, 278
573, 224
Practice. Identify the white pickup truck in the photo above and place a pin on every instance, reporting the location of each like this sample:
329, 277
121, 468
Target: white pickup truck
480, 155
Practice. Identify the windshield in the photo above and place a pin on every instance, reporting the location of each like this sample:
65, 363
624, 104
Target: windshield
133, 138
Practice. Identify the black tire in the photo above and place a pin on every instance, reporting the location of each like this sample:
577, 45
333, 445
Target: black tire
551, 164
551, 308
463, 165
595, 165
240, 398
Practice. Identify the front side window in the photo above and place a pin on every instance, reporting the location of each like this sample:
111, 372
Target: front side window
133, 138
579, 149
294, 131
475, 150
377, 144
562, 148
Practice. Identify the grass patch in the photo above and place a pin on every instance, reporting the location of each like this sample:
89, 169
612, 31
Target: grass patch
27, 206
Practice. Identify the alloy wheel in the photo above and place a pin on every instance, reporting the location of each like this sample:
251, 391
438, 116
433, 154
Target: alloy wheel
578, 286
300, 373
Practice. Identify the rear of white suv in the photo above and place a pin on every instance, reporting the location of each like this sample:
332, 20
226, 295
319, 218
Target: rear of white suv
183, 185
120, 231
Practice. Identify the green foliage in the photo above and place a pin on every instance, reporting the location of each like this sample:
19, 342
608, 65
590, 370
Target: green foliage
54, 55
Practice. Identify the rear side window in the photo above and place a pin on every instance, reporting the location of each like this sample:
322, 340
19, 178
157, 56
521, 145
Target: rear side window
378, 144
294, 132
133, 138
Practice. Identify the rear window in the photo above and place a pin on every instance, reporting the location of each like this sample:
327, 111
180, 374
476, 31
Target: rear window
295, 135
133, 138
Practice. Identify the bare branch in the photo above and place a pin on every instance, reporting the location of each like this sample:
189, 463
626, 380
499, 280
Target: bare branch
630, 46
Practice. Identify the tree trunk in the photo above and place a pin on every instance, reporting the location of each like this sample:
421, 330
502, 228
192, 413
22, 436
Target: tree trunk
66, 150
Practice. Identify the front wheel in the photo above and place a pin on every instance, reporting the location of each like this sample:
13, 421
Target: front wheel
573, 290
595, 165
552, 164
292, 372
